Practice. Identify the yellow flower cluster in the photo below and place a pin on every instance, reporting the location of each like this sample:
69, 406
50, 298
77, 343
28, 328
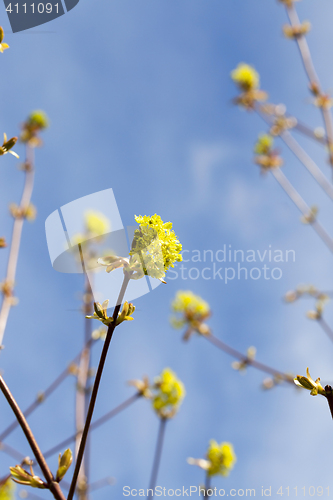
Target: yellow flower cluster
220, 460
246, 77
3, 46
168, 394
155, 246
264, 144
267, 157
96, 224
247, 80
36, 121
191, 311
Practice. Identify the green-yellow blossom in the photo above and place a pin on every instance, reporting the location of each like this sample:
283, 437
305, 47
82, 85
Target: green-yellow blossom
21, 476
36, 121
311, 385
246, 77
168, 394
3, 46
191, 311
155, 248
64, 462
266, 156
264, 144
100, 313
156, 244
220, 459
8, 145
96, 225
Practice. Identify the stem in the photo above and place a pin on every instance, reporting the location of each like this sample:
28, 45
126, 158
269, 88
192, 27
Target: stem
157, 458
52, 484
309, 164
327, 329
82, 389
207, 486
107, 481
51, 388
313, 77
302, 206
94, 393
252, 362
302, 156
94, 425
15, 241
329, 398
12, 452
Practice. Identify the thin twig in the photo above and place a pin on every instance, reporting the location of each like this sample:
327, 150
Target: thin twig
207, 486
312, 76
309, 164
98, 377
327, 329
16, 240
107, 481
52, 484
94, 425
249, 361
157, 457
303, 157
12, 452
302, 206
45, 394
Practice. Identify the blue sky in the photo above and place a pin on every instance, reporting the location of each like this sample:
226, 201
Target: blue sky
140, 100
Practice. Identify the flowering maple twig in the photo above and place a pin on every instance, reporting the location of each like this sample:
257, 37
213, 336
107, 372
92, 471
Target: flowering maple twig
16, 240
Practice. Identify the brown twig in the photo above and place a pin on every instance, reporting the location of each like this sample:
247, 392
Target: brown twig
45, 394
94, 393
52, 484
